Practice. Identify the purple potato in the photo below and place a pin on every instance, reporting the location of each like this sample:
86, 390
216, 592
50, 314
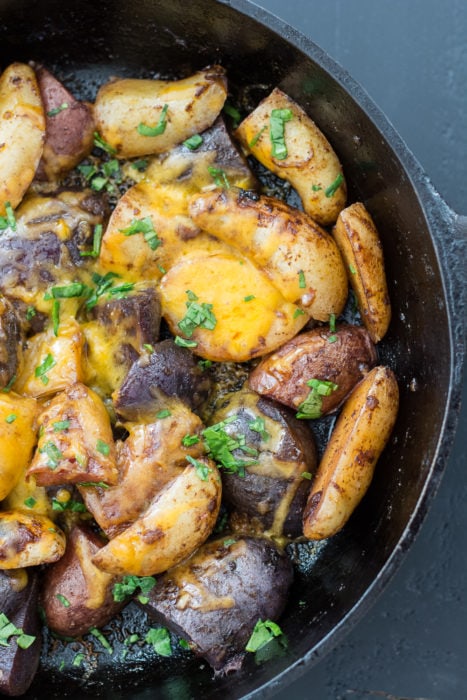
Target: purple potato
11, 340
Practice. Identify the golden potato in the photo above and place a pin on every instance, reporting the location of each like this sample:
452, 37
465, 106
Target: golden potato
18, 428
357, 238
301, 259
348, 463
22, 132
140, 117
241, 314
283, 138
28, 540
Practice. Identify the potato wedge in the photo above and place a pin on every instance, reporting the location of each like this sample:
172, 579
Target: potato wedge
22, 132
347, 466
358, 241
342, 356
178, 521
75, 442
309, 162
11, 343
28, 540
301, 259
18, 428
129, 111
251, 318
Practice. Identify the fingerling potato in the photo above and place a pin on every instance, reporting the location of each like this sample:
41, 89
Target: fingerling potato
303, 157
348, 463
140, 117
358, 241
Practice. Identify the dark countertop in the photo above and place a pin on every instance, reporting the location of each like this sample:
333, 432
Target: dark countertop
411, 57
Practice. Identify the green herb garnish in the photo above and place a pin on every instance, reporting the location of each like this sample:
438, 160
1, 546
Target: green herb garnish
77, 661
262, 634
11, 418
219, 176
257, 137
165, 413
63, 600
141, 164
202, 469
352, 270
7, 388
100, 484
316, 188
60, 425
55, 316
221, 445
103, 447
160, 640
71, 505
258, 426
334, 186
144, 226
298, 312
46, 365
8, 629
98, 634
233, 113
129, 585
100, 143
30, 502
277, 122
189, 440
148, 347
311, 407
197, 316
204, 364
146, 130
193, 142
8, 221
250, 297
30, 313
306, 475
56, 110
301, 279
96, 243
183, 343
53, 453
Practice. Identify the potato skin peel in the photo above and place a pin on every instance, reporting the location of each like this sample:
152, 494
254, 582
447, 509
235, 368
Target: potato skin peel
347, 466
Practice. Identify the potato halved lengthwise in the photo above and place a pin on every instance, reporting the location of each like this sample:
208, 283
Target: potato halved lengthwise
180, 518
305, 157
22, 132
28, 540
214, 599
348, 463
139, 117
300, 258
358, 241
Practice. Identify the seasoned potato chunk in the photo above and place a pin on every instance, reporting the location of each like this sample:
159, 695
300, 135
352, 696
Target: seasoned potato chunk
18, 428
299, 257
140, 117
299, 153
28, 540
75, 443
22, 132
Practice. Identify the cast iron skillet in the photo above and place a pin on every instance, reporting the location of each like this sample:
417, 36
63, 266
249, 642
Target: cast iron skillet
422, 240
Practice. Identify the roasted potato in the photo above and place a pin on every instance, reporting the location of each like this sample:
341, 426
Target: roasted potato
166, 372
357, 238
215, 598
76, 595
28, 539
11, 343
75, 443
290, 144
150, 457
69, 127
18, 664
272, 491
244, 315
179, 519
347, 466
140, 117
341, 356
18, 429
22, 132
299, 257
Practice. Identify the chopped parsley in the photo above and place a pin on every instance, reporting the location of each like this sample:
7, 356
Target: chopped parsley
7, 388
130, 584
197, 316
56, 316
204, 364
146, 227
11, 418
193, 142
262, 634
100, 143
46, 365
96, 243
98, 634
301, 279
316, 188
60, 425
56, 110
104, 178
257, 137
53, 453
258, 426
334, 186
202, 469
183, 343
250, 297
160, 640
219, 176
227, 543
30, 502
148, 347
30, 313
146, 130
189, 440
103, 447
69, 291
77, 661
311, 407
8, 221
221, 445
63, 600
277, 122
298, 312
165, 413
8, 629
306, 475
140, 165
71, 505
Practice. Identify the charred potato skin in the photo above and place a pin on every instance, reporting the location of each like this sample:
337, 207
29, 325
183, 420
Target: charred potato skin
347, 466
358, 240
19, 593
344, 361
87, 589
11, 343
214, 599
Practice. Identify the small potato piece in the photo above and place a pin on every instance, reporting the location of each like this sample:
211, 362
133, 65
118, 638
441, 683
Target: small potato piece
76, 594
311, 165
52, 363
357, 238
69, 134
11, 343
28, 540
75, 442
347, 466
125, 107
342, 356
215, 598
300, 258
252, 317
177, 522
22, 132
18, 428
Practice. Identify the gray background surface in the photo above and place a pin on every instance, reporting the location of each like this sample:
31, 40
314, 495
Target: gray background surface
411, 57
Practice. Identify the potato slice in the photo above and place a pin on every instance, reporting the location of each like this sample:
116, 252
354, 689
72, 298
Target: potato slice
177, 522
309, 162
128, 109
18, 430
251, 316
28, 540
299, 257
22, 132
347, 466
357, 238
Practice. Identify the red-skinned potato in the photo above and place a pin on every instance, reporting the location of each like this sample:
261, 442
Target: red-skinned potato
76, 595
341, 356
348, 463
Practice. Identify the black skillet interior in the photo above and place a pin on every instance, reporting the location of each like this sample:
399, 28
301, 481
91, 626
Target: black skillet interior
87, 42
